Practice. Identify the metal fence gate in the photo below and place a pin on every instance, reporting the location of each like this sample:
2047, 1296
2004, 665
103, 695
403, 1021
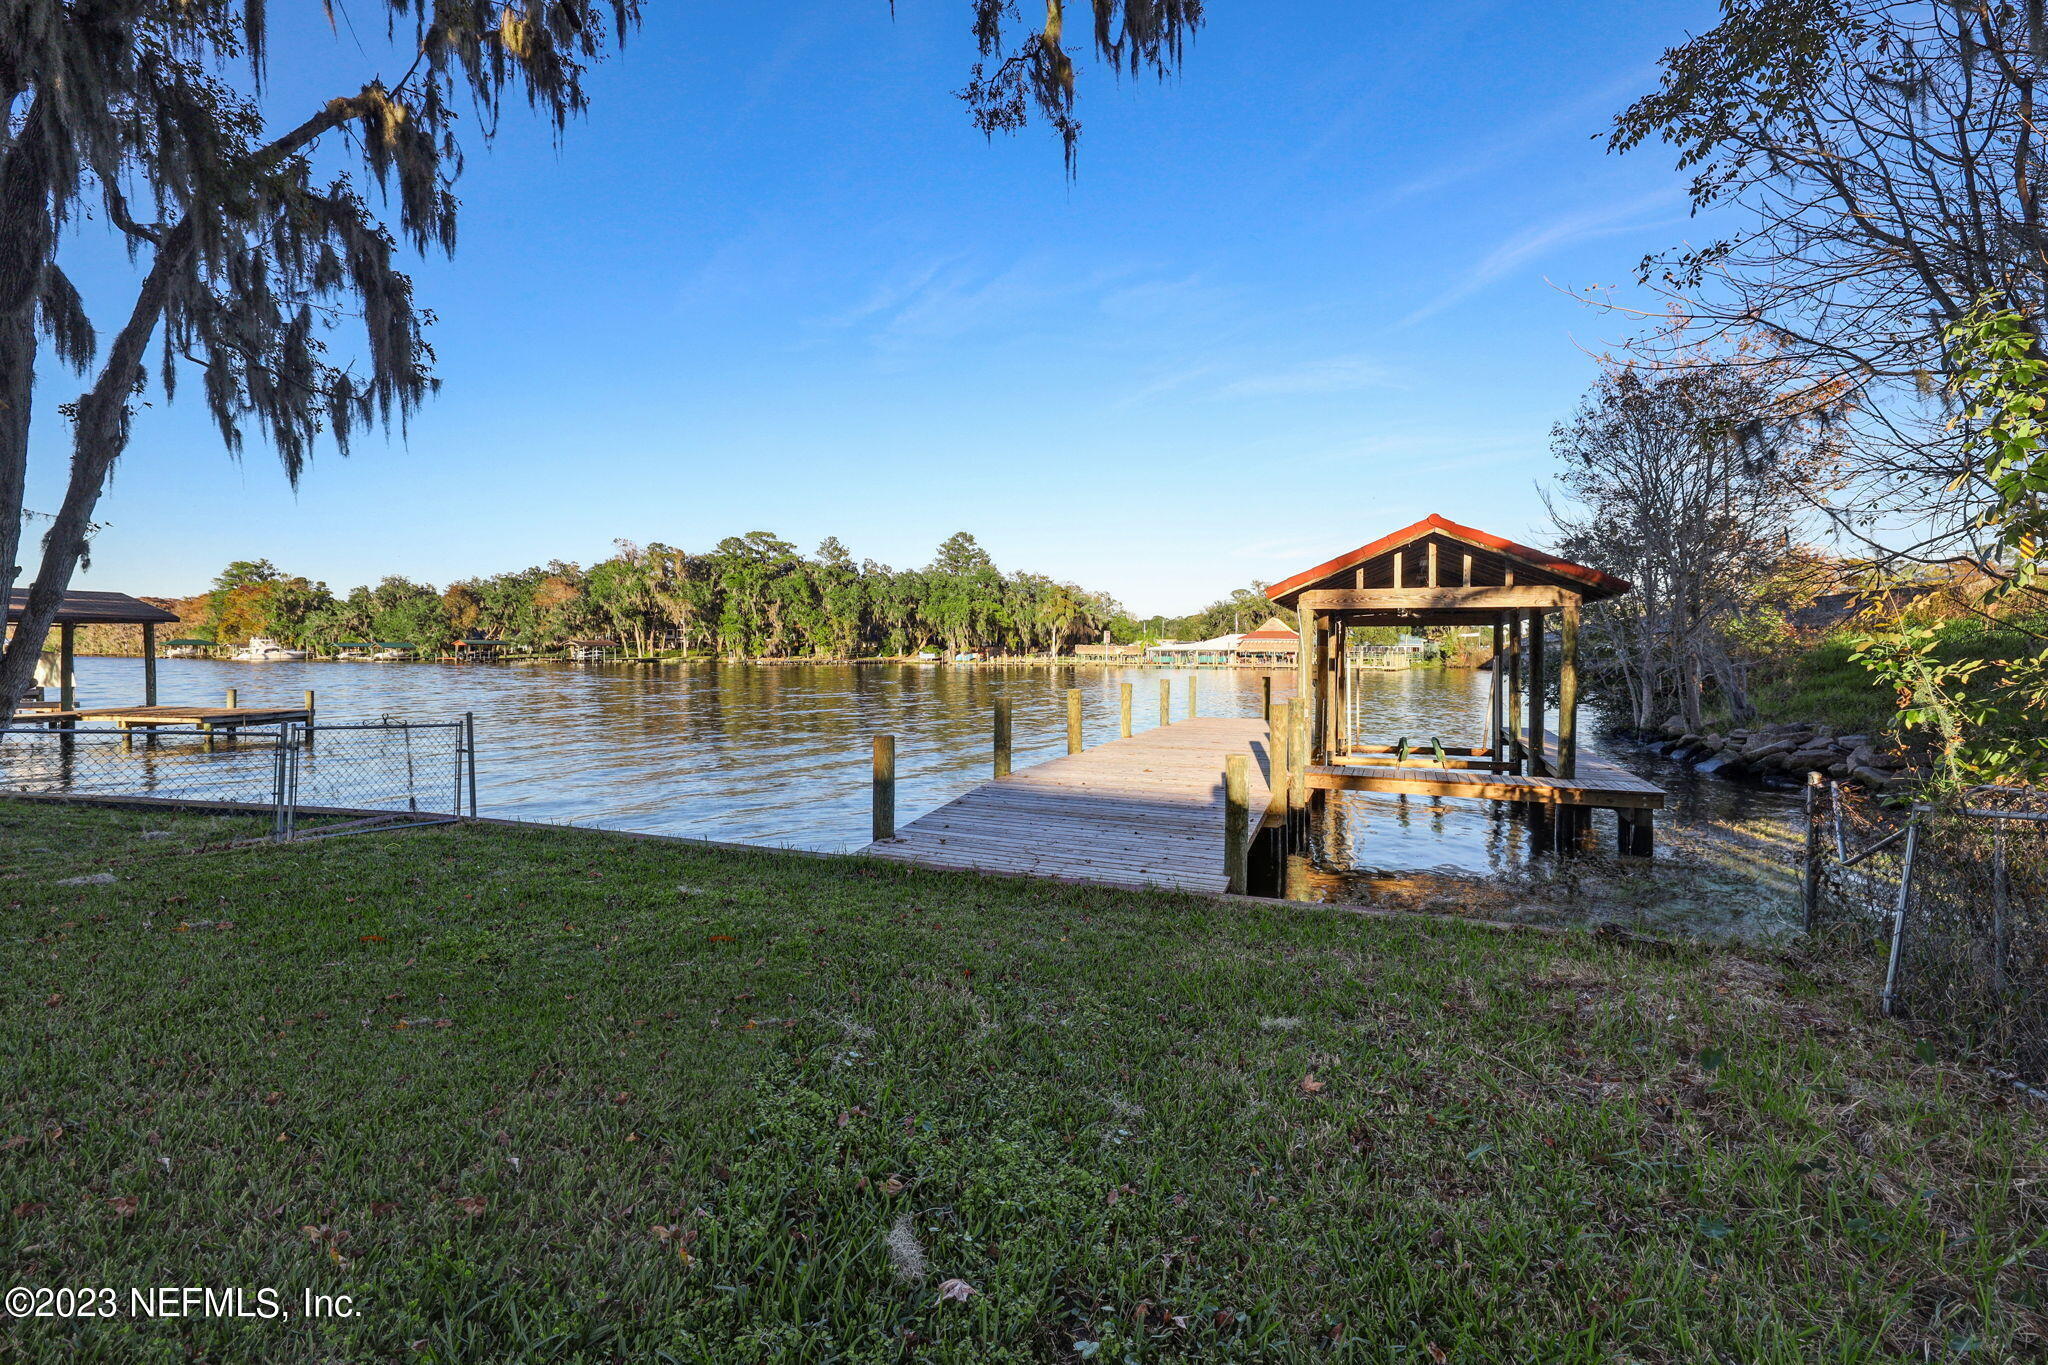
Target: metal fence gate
1955, 897
305, 781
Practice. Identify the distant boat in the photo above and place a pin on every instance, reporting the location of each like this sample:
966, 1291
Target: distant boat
261, 649
391, 651
188, 649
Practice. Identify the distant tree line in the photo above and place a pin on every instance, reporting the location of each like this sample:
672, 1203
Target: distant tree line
751, 596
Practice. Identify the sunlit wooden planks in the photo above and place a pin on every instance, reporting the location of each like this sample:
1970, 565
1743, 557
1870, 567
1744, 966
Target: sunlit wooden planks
1142, 811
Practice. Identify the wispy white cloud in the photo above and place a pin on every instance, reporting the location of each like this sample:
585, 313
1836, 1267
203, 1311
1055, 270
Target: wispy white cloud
1585, 115
1334, 374
1539, 239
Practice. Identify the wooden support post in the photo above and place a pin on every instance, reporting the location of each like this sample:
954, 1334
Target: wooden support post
1539, 766
1123, 710
67, 659
149, 663
1466, 577
1514, 692
1432, 564
1307, 661
1400, 556
1568, 691
309, 718
1300, 755
885, 788
1194, 681
1279, 763
1636, 835
1266, 699
1236, 821
1002, 737
1333, 694
231, 699
1496, 693
1166, 701
1073, 720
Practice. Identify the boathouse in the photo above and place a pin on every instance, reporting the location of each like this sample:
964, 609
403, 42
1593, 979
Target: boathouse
1272, 643
1439, 573
96, 609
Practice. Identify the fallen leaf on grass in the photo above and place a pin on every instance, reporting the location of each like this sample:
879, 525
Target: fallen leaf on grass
893, 1185
957, 1291
472, 1205
29, 1210
1438, 1354
125, 1206
1311, 1086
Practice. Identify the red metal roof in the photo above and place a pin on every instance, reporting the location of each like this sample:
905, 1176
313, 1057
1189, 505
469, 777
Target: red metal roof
1597, 584
1273, 629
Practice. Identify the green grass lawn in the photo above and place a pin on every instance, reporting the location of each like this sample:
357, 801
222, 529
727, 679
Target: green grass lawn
561, 1096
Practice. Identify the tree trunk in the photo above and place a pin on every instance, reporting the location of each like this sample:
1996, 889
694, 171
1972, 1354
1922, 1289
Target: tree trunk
99, 436
17, 390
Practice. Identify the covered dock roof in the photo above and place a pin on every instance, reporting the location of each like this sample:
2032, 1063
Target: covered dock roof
95, 609
1438, 552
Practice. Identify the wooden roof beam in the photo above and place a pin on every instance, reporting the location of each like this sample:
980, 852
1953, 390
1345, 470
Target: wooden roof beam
1435, 599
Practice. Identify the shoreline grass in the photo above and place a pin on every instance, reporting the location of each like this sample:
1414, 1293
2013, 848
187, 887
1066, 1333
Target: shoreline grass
544, 1095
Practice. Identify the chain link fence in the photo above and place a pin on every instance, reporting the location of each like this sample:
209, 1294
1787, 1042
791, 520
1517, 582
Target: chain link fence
1954, 896
271, 782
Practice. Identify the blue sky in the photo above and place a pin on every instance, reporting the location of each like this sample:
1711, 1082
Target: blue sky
1306, 293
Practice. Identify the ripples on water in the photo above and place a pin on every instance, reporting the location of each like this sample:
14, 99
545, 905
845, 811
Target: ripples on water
779, 755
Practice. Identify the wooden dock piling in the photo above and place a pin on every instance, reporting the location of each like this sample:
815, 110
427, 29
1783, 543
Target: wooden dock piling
1166, 701
1124, 711
1073, 720
1193, 679
885, 788
1279, 757
1236, 821
1002, 737
1266, 698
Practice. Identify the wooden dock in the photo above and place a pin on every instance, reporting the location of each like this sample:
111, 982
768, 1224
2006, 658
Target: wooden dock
1143, 811
155, 717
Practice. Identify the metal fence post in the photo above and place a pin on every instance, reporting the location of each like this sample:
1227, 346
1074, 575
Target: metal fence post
469, 748
280, 762
1810, 890
1890, 999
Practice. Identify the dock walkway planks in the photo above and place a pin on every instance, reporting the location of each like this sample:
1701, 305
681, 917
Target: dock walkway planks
1143, 811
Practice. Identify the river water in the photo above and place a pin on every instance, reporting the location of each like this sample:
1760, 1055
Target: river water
780, 756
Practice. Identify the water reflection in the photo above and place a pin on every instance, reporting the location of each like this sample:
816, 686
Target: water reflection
778, 755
